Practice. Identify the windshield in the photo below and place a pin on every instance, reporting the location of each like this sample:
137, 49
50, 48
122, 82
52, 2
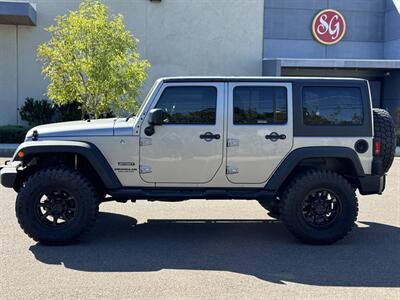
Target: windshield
144, 101
148, 96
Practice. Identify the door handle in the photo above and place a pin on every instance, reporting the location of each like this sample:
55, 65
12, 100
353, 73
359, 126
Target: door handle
275, 136
209, 136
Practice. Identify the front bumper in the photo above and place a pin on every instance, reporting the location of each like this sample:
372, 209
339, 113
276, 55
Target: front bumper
372, 184
8, 174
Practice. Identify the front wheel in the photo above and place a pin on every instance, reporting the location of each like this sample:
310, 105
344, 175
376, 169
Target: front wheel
56, 205
319, 207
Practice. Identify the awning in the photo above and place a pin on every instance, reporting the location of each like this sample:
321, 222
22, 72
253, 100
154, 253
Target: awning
17, 13
273, 66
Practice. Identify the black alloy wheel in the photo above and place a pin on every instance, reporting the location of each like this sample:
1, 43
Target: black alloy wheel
321, 207
56, 208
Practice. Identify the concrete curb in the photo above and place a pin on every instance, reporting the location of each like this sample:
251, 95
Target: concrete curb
7, 150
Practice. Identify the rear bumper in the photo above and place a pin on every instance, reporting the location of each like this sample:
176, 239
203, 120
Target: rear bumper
8, 174
372, 184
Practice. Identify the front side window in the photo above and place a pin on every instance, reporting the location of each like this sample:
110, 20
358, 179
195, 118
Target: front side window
259, 105
189, 104
332, 105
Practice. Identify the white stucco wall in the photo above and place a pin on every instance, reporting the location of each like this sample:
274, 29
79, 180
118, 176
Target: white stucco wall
178, 37
8, 74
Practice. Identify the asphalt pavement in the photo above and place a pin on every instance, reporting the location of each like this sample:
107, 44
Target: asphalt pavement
205, 249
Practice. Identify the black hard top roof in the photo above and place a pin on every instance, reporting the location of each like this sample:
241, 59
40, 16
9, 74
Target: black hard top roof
255, 79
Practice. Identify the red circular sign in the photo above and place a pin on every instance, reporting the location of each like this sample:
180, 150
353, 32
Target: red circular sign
328, 27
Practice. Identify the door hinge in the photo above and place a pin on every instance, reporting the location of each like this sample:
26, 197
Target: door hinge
145, 141
144, 169
232, 143
232, 170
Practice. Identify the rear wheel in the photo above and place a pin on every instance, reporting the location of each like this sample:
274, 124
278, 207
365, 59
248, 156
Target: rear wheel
56, 205
319, 207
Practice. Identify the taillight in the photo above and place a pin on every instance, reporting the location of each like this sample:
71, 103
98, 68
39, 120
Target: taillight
377, 147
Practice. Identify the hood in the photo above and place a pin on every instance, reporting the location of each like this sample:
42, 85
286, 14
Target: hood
101, 127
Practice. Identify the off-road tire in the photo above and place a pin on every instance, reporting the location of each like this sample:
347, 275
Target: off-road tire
385, 131
292, 207
67, 179
272, 208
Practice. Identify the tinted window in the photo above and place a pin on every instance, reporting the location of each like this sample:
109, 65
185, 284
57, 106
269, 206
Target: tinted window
332, 106
259, 105
189, 104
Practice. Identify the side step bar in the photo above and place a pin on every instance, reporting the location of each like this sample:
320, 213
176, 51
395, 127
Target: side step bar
174, 194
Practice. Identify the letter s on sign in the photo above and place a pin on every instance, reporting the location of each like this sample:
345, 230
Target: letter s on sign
328, 27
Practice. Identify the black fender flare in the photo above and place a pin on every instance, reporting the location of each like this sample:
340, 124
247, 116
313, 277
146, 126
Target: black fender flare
85, 149
296, 156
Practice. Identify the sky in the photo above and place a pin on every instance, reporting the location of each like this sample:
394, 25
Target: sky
397, 3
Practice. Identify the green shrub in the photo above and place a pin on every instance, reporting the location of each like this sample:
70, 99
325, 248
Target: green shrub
37, 112
12, 134
68, 112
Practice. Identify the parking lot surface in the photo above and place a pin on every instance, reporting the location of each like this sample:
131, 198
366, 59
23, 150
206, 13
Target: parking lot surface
205, 249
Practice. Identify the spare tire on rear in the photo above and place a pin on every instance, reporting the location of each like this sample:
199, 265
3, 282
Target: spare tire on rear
385, 131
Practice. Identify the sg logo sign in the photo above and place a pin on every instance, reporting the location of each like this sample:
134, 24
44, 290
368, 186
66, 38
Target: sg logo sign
328, 27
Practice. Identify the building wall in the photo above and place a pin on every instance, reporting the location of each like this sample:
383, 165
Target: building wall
392, 32
391, 86
8, 74
178, 37
372, 32
372, 29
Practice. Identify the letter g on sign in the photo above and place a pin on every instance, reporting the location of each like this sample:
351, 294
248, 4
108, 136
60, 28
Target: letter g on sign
328, 27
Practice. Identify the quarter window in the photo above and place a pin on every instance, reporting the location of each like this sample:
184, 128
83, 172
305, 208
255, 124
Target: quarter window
189, 104
332, 106
259, 105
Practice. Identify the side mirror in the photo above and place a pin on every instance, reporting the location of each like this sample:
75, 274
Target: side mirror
156, 117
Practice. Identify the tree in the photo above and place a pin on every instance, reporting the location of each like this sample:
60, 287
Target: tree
92, 59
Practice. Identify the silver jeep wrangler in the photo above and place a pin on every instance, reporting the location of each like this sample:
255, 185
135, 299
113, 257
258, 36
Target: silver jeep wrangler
300, 146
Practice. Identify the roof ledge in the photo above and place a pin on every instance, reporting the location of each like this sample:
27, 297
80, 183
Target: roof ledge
17, 13
333, 63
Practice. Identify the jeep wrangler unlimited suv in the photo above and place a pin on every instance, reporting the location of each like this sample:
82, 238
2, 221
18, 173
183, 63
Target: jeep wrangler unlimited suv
300, 146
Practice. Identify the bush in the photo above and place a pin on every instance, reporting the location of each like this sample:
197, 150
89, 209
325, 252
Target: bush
68, 112
37, 112
13, 134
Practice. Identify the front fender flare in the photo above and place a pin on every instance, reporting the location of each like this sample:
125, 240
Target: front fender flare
85, 149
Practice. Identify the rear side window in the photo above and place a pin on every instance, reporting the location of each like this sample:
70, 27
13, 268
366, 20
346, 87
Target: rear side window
331, 105
259, 105
189, 104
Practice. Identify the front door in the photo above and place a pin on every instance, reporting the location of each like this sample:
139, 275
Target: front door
260, 130
187, 147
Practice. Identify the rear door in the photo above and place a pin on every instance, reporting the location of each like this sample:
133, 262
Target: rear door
188, 147
260, 129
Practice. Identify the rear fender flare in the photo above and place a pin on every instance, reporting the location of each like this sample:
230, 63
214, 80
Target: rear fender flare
296, 156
